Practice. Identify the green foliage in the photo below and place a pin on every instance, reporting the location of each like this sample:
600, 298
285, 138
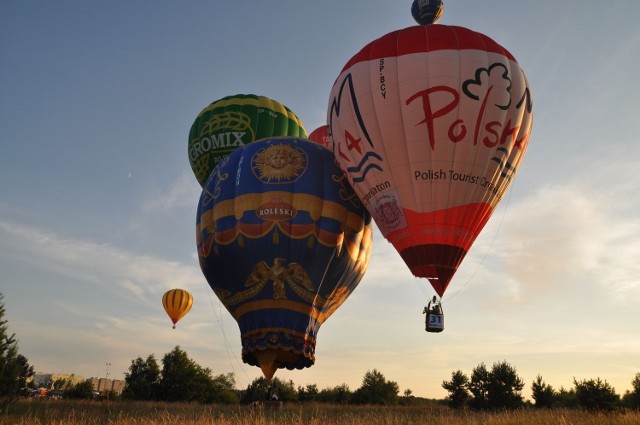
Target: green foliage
309, 393
61, 384
80, 391
479, 387
596, 395
108, 395
287, 390
376, 389
498, 389
340, 394
631, 398
222, 390
636, 384
457, 388
25, 371
565, 398
142, 380
407, 398
260, 389
505, 387
542, 394
182, 379
11, 366
257, 390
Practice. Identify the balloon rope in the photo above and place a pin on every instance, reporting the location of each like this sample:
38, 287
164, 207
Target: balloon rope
495, 236
227, 345
326, 269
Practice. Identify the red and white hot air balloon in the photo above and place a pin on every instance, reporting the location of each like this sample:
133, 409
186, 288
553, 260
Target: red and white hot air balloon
430, 124
321, 135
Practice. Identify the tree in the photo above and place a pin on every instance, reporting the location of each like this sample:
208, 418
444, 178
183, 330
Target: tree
61, 384
142, 380
565, 398
10, 382
183, 379
596, 395
505, 387
376, 389
260, 388
407, 398
287, 390
457, 388
542, 393
340, 394
257, 390
82, 390
223, 389
109, 395
309, 393
479, 387
496, 389
631, 398
26, 371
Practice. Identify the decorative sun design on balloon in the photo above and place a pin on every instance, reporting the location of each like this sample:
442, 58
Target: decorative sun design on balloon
279, 163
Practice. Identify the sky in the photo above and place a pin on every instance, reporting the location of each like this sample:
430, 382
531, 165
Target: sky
98, 201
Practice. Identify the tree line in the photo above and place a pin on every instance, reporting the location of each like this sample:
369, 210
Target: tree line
500, 388
181, 379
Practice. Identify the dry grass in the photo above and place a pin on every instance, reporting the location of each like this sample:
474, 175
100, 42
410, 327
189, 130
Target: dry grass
61, 412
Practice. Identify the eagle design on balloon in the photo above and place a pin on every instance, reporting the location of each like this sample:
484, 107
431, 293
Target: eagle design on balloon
280, 275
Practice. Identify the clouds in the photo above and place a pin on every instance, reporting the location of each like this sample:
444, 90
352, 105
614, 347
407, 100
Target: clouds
560, 235
184, 192
93, 263
97, 301
551, 285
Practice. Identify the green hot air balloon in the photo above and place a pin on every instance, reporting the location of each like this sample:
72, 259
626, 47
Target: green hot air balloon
232, 122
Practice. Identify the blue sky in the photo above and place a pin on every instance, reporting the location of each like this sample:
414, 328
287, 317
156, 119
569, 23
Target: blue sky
98, 202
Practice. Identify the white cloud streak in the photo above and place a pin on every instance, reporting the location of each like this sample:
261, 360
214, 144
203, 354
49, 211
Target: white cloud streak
137, 275
181, 193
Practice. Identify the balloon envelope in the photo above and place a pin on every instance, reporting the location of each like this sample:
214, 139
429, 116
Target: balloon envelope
283, 241
432, 146
321, 135
177, 303
232, 122
427, 12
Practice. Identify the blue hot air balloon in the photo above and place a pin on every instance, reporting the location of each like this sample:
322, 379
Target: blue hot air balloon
283, 241
427, 12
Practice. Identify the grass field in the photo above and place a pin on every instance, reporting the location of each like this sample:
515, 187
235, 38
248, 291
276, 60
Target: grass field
66, 412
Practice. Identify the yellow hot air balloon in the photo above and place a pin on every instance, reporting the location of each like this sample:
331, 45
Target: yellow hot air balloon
177, 303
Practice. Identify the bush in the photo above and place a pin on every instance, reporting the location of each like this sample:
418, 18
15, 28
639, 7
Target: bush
81, 391
596, 395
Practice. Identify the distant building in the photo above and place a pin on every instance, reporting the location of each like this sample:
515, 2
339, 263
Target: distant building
48, 380
103, 385
64, 381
